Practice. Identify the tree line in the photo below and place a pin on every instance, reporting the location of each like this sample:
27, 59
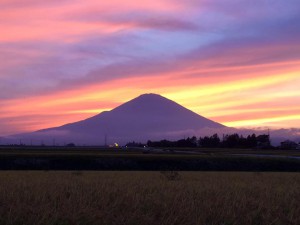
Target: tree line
214, 141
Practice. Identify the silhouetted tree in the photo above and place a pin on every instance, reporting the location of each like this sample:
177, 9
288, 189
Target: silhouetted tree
210, 142
263, 141
251, 141
231, 141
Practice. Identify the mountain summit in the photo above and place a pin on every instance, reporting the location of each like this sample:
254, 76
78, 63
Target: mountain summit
152, 110
149, 116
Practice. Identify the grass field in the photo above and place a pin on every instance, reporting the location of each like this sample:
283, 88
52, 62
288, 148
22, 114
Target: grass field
92, 158
147, 198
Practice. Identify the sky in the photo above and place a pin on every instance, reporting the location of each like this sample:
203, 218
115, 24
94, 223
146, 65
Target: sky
234, 61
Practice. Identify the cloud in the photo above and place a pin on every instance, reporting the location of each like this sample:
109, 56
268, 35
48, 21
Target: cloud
134, 51
187, 47
13, 4
135, 20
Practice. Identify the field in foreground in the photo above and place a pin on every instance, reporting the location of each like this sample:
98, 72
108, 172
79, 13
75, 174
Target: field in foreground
208, 198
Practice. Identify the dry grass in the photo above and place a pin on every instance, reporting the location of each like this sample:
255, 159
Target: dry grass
148, 198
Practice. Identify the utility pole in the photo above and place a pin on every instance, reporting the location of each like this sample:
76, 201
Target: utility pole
269, 136
105, 140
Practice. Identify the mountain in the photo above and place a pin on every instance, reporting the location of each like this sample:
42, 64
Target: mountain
149, 116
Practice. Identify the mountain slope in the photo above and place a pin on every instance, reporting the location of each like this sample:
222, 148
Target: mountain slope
148, 116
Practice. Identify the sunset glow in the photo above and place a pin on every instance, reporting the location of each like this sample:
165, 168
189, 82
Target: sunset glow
64, 61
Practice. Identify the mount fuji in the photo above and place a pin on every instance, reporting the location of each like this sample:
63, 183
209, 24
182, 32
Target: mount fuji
149, 116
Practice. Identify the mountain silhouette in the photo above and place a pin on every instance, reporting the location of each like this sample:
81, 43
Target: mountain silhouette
149, 116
